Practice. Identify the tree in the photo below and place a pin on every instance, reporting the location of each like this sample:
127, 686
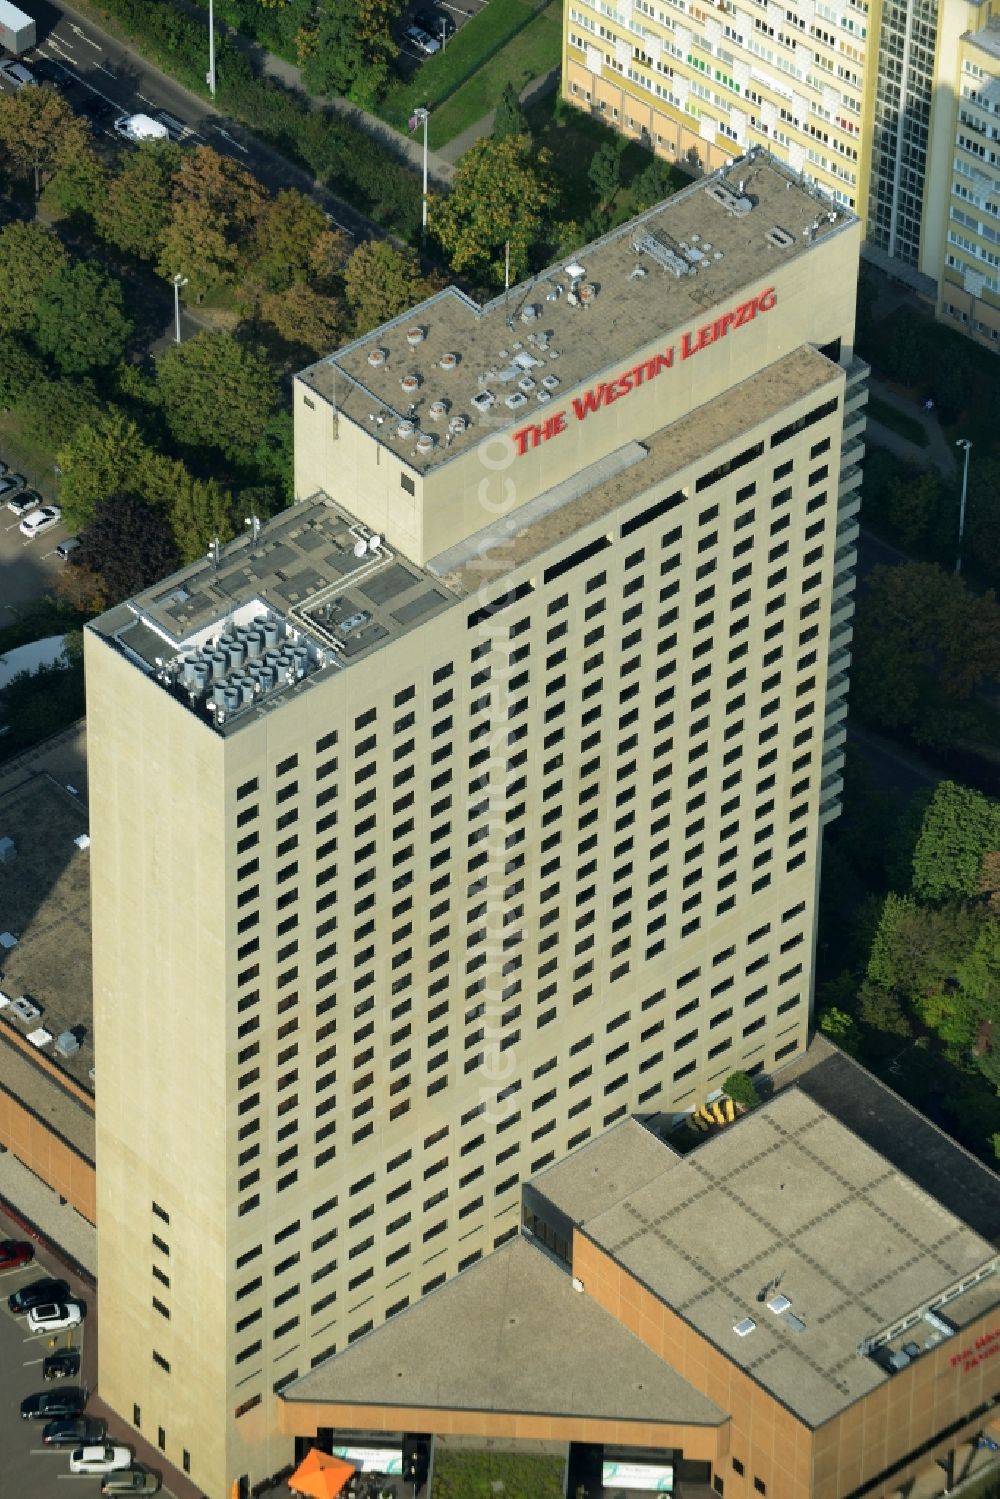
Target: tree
216, 393
961, 828
740, 1087
351, 47
214, 206
128, 544
982, 531
604, 174
80, 185
51, 411
381, 282
499, 193
29, 255
923, 643
288, 229
38, 127
203, 510
80, 318
913, 501
654, 183
841, 1028
100, 459
138, 203
304, 319
20, 369
510, 118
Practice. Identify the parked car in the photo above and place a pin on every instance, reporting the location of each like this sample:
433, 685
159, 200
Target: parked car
36, 1294
73, 1430
49, 1404
131, 1481
10, 484
419, 38
55, 1316
65, 549
436, 22
17, 74
24, 502
103, 1459
14, 1254
61, 1365
40, 521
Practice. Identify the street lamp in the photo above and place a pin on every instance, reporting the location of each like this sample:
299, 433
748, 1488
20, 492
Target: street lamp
179, 281
421, 116
57, 471
962, 442
210, 75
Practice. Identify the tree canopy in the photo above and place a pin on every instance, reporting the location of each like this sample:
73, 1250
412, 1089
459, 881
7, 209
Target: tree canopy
498, 196
137, 206
37, 126
128, 544
29, 255
80, 318
216, 393
961, 829
380, 282
924, 644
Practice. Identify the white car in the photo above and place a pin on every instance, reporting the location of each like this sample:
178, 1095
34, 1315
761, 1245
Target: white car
102, 1459
55, 1316
141, 128
40, 521
17, 74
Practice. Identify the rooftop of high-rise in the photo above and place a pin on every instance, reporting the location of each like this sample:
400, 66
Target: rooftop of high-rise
433, 382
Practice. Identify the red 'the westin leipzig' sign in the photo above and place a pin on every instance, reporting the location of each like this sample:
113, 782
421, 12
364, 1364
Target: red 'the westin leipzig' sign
612, 390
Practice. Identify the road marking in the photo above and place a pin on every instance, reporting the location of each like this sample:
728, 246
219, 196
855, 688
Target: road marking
103, 69
78, 31
46, 1451
225, 133
55, 42
146, 101
59, 41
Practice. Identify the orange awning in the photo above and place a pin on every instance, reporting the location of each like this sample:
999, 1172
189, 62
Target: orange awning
320, 1476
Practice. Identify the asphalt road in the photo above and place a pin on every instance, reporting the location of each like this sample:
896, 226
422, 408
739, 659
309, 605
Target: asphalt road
133, 85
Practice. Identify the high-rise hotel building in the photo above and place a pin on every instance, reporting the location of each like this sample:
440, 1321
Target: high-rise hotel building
476, 802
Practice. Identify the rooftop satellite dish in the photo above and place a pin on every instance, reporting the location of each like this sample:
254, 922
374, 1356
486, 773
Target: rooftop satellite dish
374, 542
360, 548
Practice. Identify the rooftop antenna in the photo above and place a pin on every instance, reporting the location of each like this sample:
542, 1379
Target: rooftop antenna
253, 521
215, 552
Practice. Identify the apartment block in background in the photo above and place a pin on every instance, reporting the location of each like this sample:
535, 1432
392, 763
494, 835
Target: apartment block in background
475, 803
701, 83
890, 107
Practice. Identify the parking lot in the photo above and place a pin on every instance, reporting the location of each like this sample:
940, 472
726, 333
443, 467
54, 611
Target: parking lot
31, 1471
449, 18
28, 567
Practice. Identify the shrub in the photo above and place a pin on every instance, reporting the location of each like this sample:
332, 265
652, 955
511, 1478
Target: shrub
740, 1088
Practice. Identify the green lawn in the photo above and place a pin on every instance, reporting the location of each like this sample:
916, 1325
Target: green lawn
528, 55
479, 46
471, 1475
897, 421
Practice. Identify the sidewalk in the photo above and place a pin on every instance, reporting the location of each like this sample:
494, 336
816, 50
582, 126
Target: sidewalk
530, 94
408, 148
938, 452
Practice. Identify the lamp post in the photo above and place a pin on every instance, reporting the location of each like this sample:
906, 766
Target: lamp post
210, 75
422, 115
179, 281
962, 442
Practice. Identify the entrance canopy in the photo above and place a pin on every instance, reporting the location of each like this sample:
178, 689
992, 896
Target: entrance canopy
320, 1476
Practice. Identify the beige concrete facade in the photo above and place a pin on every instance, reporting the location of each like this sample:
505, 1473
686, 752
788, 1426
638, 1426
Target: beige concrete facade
529, 852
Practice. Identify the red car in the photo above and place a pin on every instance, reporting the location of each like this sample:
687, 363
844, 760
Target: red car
14, 1254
